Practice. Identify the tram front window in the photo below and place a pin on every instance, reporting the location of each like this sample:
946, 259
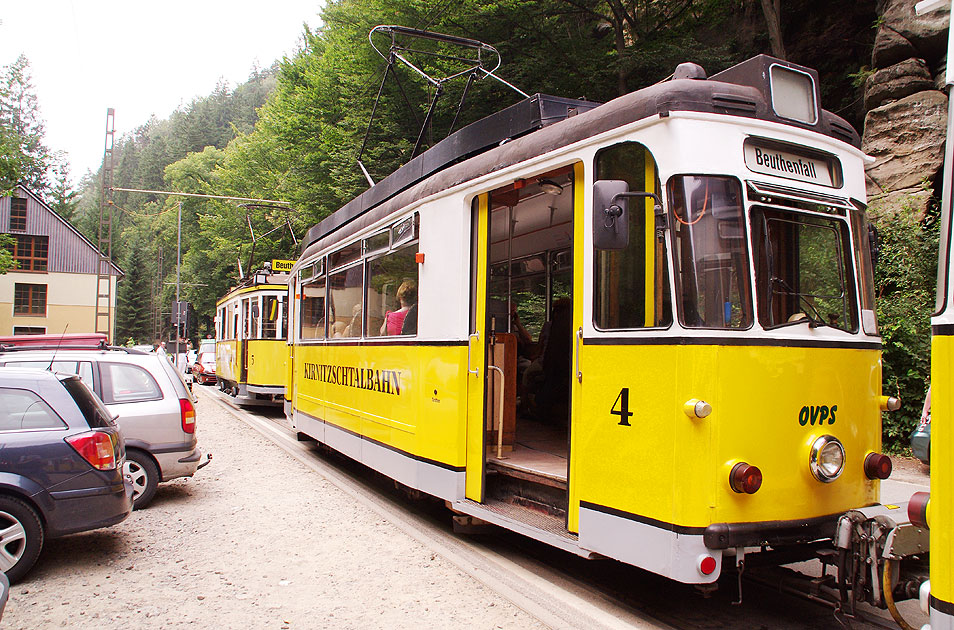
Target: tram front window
710, 252
803, 269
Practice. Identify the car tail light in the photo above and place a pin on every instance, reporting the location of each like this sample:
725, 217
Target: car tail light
877, 466
96, 447
188, 415
745, 478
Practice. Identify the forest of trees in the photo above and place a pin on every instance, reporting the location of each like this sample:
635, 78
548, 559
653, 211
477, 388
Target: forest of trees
293, 131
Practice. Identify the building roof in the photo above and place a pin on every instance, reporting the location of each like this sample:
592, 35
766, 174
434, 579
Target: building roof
64, 237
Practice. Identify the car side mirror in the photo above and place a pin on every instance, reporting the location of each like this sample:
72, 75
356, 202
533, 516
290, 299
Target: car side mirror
610, 214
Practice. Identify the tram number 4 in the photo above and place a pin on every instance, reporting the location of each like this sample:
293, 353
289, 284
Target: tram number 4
621, 407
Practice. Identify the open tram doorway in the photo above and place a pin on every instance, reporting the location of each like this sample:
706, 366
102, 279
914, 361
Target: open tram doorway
529, 344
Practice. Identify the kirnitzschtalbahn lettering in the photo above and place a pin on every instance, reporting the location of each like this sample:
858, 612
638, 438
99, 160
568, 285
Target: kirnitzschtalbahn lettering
384, 381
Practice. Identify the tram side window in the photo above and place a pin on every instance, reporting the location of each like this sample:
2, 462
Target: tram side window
632, 284
270, 321
861, 236
312, 321
711, 259
255, 317
344, 307
392, 293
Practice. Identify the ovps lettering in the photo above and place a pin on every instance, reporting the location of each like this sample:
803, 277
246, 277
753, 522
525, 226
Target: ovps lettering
812, 414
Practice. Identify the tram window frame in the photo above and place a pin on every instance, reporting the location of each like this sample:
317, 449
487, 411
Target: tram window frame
627, 161
402, 235
693, 306
347, 330
377, 243
374, 328
761, 245
315, 275
271, 328
864, 273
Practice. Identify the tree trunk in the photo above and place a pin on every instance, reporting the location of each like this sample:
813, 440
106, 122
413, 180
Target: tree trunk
772, 11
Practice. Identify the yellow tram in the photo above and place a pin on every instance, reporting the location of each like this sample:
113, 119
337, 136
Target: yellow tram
643, 330
251, 350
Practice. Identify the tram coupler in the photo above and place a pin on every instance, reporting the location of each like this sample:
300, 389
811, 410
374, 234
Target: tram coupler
877, 547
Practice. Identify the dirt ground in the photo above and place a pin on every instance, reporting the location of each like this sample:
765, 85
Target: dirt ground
255, 540
910, 470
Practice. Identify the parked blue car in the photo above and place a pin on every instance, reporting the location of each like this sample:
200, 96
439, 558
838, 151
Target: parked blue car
61, 463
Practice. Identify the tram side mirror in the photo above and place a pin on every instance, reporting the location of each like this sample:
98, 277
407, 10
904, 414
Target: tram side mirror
610, 214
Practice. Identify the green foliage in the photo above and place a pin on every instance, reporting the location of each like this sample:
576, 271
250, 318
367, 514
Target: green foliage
134, 299
858, 78
905, 283
20, 118
6, 253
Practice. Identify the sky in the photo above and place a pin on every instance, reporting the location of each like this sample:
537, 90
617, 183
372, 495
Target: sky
140, 58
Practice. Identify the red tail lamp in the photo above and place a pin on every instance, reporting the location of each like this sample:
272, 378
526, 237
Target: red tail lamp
918, 506
706, 564
745, 478
877, 466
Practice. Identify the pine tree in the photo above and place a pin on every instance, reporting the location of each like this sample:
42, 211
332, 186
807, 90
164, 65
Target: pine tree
20, 117
133, 301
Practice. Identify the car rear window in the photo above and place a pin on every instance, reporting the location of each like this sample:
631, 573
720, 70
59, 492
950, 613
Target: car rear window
125, 383
178, 382
93, 409
83, 368
23, 410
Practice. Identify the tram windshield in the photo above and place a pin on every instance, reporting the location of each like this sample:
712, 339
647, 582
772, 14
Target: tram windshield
803, 269
711, 256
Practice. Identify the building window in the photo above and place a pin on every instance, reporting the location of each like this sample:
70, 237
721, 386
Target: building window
18, 214
29, 299
29, 330
32, 252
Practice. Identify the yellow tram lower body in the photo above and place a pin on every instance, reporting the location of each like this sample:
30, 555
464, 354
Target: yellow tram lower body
651, 492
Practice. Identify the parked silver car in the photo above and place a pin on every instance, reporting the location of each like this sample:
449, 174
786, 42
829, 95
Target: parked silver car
155, 409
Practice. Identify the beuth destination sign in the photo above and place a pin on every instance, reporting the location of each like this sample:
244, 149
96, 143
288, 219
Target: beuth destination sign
282, 265
788, 164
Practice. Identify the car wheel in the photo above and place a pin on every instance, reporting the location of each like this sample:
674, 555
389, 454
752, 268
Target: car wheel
21, 537
144, 475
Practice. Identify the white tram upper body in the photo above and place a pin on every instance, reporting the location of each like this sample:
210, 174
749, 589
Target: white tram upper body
669, 386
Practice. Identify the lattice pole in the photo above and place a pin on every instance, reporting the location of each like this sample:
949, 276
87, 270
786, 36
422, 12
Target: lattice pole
104, 275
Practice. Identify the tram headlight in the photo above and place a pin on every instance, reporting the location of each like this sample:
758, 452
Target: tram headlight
827, 459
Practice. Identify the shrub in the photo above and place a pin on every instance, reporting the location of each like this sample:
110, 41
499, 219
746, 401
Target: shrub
905, 280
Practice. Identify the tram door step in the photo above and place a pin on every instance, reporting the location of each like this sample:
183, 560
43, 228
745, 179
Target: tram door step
539, 495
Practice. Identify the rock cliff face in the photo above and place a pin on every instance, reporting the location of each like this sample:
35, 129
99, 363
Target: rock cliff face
906, 120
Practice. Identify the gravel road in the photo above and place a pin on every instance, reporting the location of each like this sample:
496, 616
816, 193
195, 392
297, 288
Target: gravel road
255, 540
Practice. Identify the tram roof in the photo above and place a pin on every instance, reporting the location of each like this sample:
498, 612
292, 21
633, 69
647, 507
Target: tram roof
542, 123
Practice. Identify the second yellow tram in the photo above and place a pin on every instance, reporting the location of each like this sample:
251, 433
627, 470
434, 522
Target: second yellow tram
251, 350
